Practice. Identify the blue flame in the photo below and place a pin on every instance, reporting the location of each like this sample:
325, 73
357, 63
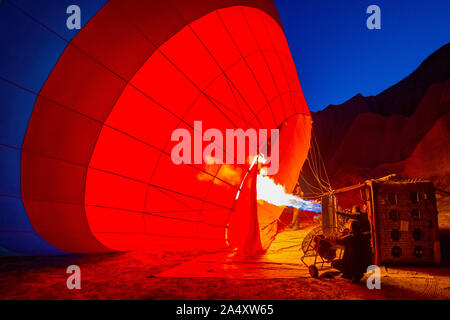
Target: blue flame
305, 205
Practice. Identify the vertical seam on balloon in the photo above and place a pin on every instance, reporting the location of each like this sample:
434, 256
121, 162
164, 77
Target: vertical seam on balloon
223, 70
264, 57
281, 63
250, 69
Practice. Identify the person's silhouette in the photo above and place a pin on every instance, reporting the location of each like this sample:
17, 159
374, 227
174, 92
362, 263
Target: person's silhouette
357, 253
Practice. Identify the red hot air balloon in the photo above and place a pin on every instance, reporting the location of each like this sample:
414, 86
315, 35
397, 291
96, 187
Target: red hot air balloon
97, 174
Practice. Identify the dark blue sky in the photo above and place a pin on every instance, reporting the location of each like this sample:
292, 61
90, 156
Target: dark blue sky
337, 56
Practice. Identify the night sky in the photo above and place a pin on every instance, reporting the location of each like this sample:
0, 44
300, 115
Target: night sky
337, 56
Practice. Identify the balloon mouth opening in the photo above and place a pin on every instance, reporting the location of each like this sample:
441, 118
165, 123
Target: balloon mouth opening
260, 193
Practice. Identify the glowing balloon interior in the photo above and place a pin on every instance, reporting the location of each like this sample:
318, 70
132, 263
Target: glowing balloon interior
89, 167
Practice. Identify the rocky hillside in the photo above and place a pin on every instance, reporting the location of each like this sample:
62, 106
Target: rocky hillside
405, 129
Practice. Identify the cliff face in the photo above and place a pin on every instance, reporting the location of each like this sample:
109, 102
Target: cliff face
404, 129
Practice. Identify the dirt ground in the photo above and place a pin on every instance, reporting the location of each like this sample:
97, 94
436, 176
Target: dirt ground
221, 275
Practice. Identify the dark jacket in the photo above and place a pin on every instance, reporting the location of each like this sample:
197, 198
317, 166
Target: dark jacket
357, 254
361, 217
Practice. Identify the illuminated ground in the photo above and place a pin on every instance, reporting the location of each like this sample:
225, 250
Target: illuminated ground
278, 275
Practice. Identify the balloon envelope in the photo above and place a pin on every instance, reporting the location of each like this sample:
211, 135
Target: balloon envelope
95, 166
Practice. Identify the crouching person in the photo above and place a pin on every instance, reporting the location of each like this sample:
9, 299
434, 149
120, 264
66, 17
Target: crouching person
357, 253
